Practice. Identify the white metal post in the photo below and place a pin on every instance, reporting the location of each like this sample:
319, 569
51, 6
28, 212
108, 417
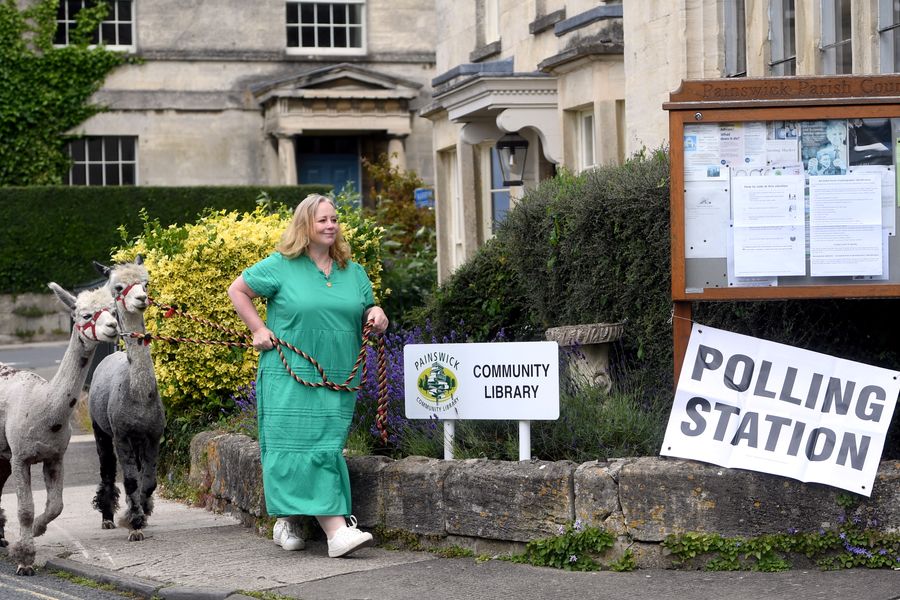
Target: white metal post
449, 432
524, 440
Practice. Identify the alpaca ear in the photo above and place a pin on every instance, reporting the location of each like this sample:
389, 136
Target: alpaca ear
102, 269
64, 296
139, 259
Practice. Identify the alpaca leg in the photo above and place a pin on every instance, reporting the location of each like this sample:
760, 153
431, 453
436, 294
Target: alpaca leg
150, 463
53, 481
5, 470
106, 500
22, 551
134, 517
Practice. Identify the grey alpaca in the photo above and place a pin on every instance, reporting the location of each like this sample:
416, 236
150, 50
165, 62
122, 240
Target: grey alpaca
34, 418
127, 414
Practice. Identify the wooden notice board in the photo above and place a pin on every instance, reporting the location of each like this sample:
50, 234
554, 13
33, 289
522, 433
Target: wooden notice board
783, 188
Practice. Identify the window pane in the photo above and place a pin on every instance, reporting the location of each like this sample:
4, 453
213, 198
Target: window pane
95, 149
73, 7
356, 37
112, 174
499, 208
95, 174
128, 148
111, 145
895, 35
124, 13
293, 37
309, 37
845, 59
355, 12
842, 19
323, 13
340, 37
324, 37
78, 175
108, 31
76, 147
790, 44
128, 175
125, 34
293, 13
307, 14
340, 14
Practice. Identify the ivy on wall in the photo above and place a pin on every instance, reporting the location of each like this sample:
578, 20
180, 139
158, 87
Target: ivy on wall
45, 90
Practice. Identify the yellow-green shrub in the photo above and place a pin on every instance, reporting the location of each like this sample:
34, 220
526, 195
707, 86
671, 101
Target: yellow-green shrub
191, 267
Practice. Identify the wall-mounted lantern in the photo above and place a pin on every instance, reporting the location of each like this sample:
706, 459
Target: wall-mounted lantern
512, 149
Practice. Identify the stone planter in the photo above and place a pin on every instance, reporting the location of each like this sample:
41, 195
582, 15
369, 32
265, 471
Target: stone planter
588, 349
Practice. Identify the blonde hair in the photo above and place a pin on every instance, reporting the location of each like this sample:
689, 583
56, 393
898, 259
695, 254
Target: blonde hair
295, 239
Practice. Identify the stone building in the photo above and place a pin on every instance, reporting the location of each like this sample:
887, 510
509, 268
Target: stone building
258, 93
550, 73
583, 82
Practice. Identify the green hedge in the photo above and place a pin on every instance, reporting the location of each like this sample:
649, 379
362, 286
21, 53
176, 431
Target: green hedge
53, 233
595, 248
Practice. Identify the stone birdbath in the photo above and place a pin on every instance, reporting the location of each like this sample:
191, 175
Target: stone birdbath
588, 346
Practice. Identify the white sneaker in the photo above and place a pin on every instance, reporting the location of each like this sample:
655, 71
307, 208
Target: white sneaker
285, 534
348, 539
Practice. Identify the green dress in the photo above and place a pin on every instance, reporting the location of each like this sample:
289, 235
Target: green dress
302, 430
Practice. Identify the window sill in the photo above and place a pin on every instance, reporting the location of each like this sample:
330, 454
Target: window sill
486, 51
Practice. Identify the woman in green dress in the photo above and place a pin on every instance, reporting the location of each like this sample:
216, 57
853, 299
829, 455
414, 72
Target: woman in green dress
316, 299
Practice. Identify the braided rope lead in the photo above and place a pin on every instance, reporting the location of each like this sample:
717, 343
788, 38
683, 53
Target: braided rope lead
368, 333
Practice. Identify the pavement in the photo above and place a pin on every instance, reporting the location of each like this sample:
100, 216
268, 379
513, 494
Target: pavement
192, 553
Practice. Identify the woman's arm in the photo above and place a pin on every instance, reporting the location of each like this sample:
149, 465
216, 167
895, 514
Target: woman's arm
242, 297
380, 320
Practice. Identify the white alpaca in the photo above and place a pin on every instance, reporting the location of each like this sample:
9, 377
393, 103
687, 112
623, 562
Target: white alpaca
34, 418
126, 411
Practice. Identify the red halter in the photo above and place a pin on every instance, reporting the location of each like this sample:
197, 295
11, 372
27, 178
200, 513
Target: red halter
124, 293
91, 325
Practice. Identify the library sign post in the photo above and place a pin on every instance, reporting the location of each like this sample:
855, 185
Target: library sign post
784, 188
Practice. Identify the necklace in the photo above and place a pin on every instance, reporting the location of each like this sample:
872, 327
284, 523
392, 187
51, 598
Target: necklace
325, 268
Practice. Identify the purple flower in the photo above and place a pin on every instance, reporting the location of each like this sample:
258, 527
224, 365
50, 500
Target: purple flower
792, 530
573, 558
579, 526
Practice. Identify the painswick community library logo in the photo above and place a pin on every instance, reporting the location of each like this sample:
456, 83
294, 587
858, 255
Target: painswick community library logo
437, 382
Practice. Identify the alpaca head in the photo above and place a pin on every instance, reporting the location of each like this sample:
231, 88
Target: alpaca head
93, 312
127, 282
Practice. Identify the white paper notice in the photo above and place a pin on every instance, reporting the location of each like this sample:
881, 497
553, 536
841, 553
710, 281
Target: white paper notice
735, 281
888, 194
707, 211
845, 237
701, 147
743, 145
782, 152
769, 232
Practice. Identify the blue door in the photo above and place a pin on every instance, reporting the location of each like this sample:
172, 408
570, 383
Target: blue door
332, 160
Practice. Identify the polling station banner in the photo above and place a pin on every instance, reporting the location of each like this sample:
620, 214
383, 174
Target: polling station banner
501, 380
747, 403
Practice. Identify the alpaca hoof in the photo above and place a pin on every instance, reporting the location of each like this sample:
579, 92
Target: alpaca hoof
27, 570
107, 524
136, 536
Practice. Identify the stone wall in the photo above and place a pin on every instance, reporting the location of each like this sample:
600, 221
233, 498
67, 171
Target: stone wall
490, 505
33, 318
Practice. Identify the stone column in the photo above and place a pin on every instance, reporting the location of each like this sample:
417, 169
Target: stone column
287, 159
397, 153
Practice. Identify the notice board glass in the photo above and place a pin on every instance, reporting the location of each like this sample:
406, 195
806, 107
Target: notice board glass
797, 199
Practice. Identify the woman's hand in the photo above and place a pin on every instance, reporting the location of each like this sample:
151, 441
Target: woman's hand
378, 318
262, 339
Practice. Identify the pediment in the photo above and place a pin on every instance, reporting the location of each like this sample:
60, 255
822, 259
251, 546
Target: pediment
338, 81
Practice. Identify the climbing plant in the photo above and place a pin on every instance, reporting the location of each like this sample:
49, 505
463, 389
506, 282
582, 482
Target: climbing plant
45, 90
